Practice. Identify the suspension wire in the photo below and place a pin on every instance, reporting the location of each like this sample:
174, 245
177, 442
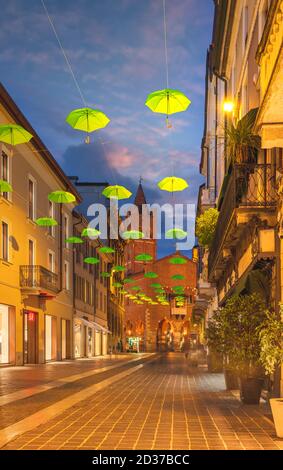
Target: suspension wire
64, 53
165, 43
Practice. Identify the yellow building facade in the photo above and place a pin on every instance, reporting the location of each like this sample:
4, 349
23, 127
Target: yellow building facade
36, 267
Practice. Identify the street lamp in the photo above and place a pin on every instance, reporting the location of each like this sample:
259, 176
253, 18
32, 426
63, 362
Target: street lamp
228, 107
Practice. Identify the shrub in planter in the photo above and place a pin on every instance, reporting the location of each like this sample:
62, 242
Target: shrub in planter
271, 357
249, 314
219, 337
205, 227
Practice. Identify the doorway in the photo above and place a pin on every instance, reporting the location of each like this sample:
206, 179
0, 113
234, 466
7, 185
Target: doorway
30, 337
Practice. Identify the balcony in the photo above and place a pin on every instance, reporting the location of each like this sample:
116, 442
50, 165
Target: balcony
38, 280
249, 191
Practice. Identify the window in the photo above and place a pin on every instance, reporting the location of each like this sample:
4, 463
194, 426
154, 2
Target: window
31, 253
31, 198
245, 25
5, 241
51, 212
5, 170
66, 275
51, 261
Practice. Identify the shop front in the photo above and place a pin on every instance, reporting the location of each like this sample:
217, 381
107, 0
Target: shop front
7, 334
50, 338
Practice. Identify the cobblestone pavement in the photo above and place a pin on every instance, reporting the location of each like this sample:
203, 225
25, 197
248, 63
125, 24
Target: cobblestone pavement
162, 405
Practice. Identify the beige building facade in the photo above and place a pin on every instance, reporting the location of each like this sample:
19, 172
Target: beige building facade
246, 56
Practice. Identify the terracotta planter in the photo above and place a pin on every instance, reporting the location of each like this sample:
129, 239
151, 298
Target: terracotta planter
277, 413
250, 390
231, 379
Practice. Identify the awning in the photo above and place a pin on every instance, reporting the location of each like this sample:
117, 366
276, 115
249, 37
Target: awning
92, 324
254, 281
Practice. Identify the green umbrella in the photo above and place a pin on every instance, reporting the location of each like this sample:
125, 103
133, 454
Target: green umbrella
105, 274
91, 260
119, 268
46, 222
177, 260
178, 277
87, 120
116, 192
150, 275
136, 288
5, 187
173, 184
117, 284
13, 134
90, 232
143, 257
156, 285
106, 249
176, 233
132, 235
75, 240
61, 197
128, 280
167, 101
178, 288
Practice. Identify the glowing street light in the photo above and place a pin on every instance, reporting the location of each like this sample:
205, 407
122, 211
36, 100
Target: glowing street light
228, 106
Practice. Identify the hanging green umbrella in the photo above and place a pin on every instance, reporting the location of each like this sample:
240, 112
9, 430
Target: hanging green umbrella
127, 280
173, 184
91, 260
87, 120
132, 235
176, 233
14, 135
46, 222
119, 268
105, 274
156, 285
150, 275
177, 260
116, 192
136, 288
90, 232
61, 197
167, 101
5, 187
143, 257
106, 249
75, 240
178, 277
117, 284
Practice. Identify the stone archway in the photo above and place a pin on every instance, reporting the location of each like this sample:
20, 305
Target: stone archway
165, 336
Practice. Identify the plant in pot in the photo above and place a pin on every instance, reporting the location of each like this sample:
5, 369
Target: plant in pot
221, 338
242, 143
271, 357
205, 227
244, 355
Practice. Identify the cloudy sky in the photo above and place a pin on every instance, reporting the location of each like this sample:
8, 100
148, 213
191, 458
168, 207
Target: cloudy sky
116, 48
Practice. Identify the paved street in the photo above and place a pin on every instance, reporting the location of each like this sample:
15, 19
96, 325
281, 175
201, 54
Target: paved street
138, 402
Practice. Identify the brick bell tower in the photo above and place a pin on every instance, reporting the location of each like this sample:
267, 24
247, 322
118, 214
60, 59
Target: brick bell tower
145, 245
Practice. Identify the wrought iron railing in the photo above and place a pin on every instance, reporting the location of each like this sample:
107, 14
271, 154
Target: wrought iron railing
249, 185
38, 277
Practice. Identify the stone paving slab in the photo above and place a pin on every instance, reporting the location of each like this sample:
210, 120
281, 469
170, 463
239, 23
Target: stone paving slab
165, 405
20, 409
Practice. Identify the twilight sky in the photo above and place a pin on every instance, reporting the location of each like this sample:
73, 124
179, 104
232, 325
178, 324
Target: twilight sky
116, 50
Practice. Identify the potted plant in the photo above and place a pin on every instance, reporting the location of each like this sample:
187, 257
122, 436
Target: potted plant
271, 356
242, 143
221, 338
205, 227
249, 315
